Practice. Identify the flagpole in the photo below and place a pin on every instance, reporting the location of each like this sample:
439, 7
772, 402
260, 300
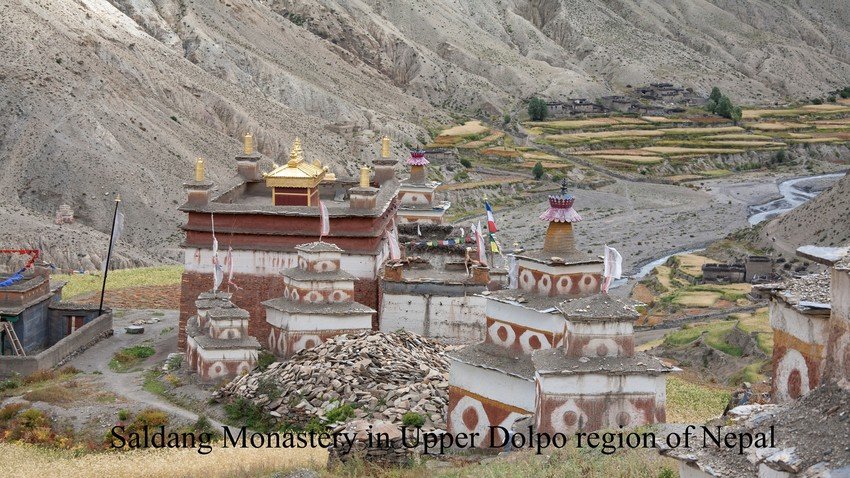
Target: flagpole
108, 254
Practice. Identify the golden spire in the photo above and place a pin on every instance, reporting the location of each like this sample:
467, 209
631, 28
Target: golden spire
248, 144
364, 176
199, 170
385, 147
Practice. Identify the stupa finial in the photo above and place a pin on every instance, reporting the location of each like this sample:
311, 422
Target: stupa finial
248, 144
199, 170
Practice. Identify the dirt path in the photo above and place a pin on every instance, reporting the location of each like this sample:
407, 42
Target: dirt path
161, 335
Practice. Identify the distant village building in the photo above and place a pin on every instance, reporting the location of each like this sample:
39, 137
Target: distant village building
724, 273
573, 107
64, 215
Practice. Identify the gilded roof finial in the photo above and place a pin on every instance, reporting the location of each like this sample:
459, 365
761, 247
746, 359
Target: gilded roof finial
199, 170
385, 147
248, 144
364, 176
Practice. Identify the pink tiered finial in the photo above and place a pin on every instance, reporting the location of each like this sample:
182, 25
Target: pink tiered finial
561, 207
417, 158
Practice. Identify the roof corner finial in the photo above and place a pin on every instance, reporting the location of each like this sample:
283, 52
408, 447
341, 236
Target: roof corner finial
364, 176
248, 144
385, 147
564, 187
199, 170
296, 146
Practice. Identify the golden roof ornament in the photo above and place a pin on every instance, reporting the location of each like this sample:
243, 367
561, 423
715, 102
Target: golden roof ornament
364, 176
296, 173
199, 170
385, 147
248, 144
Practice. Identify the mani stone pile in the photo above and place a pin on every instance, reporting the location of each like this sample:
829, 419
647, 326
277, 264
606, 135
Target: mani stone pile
383, 376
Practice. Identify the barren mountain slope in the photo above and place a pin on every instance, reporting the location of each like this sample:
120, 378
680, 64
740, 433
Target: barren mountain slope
823, 221
105, 96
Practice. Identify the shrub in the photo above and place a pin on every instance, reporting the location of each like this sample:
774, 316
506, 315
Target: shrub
40, 376
538, 170
125, 358
817, 101
31, 419
123, 414
340, 413
466, 162
150, 417
831, 98
537, 109
10, 411
666, 473
461, 176
10, 383
265, 359
506, 118
203, 424
247, 412
413, 419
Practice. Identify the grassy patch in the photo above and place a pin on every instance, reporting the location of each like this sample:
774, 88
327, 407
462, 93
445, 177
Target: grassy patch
129, 357
688, 402
81, 284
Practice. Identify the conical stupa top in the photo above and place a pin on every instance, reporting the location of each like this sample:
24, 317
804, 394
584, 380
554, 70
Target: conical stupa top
561, 207
417, 158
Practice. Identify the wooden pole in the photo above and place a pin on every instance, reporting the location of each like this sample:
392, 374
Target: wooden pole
108, 255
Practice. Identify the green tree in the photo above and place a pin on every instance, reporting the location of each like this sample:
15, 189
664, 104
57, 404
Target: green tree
715, 95
736, 115
724, 107
537, 109
537, 170
711, 106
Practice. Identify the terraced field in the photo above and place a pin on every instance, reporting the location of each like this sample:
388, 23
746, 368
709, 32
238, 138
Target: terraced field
668, 147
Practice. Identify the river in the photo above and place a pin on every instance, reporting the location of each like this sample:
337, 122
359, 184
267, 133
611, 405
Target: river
792, 196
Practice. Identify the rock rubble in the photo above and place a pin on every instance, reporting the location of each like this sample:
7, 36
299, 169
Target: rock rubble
382, 376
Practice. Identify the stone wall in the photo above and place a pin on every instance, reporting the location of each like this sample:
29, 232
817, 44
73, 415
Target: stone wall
56, 355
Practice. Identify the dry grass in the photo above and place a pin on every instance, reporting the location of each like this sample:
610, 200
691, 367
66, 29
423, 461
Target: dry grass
629, 158
540, 156
483, 141
478, 184
745, 144
778, 126
502, 151
466, 129
826, 107
689, 402
28, 461
691, 264
706, 130
660, 119
632, 152
697, 298
743, 136
624, 133
695, 151
81, 284
574, 124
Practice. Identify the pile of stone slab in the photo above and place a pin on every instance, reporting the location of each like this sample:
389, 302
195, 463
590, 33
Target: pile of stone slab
381, 375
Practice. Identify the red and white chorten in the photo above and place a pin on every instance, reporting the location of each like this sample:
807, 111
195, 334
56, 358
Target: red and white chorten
218, 345
417, 195
317, 302
508, 375
263, 217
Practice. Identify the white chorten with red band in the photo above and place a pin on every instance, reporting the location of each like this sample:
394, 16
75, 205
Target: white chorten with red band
417, 195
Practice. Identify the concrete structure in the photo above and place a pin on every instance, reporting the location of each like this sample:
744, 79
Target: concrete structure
218, 346
258, 217
519, 367
64, 215
317, 302
417, 198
